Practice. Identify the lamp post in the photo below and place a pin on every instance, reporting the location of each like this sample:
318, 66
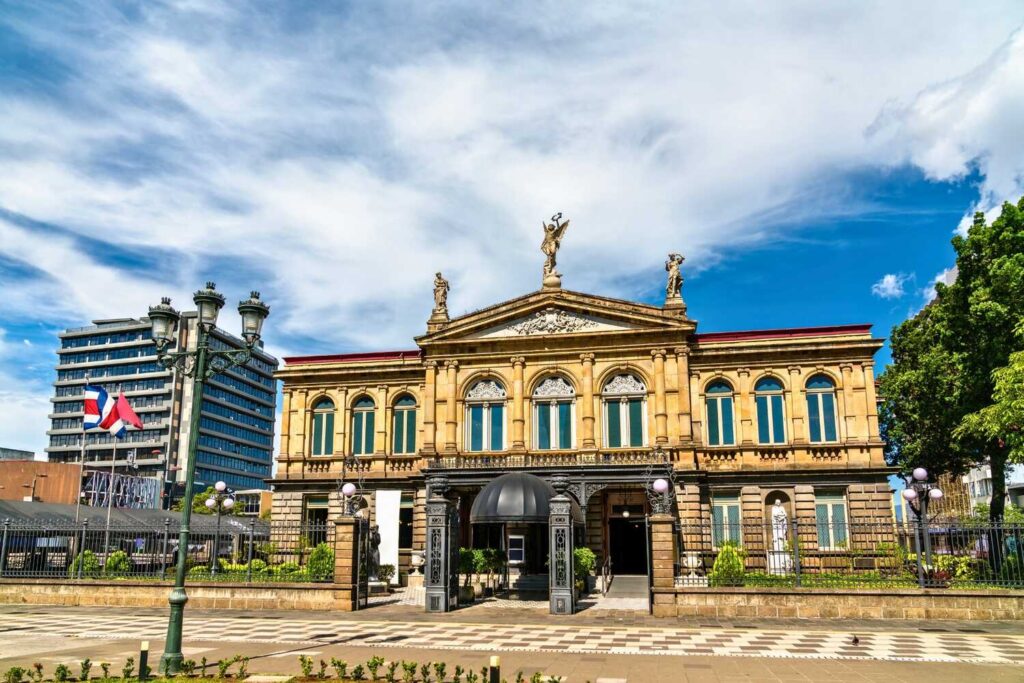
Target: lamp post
221, 500
200, 365
917, 494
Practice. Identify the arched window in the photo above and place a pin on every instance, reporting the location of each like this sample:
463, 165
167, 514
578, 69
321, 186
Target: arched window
821, 409
718, 402
771, 417
485, 416
362, 426
624, 398
403, 427
323, 427
553, 422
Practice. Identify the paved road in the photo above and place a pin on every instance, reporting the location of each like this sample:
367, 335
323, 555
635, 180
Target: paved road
452, 634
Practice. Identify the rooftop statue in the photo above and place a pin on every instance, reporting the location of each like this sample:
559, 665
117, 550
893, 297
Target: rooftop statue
674, 286
440, 294
553, 233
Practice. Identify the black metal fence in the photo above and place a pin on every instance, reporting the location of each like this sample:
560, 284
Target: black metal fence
242, 550
823, 553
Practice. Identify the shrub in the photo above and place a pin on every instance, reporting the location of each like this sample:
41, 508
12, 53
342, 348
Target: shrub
373, 666
83, 669
128, 669
321, 562
118, 564
340, 668
14, 675
357, 673
258, 566
728, 569
322, 673
408, 672
390, 675
479, 561
36, 674
584, 561
198, 571
243, 667
288, 568
90, 564
439, 671
466, 561
386, 573
457, 675
105, 668
425, 672
306, 664
188, 666
960, 568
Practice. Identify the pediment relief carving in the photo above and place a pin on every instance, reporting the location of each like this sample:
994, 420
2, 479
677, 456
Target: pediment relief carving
552, 320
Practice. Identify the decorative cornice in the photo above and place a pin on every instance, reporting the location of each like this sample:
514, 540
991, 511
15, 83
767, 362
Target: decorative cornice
552, 320
624, 384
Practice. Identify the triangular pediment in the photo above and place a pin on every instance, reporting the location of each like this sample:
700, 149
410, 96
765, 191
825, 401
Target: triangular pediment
559, 312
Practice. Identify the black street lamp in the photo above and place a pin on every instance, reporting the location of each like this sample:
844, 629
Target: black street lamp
200, 365
221, 500
918, 493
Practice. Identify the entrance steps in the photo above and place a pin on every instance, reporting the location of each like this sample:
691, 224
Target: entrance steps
528, 586
627, 586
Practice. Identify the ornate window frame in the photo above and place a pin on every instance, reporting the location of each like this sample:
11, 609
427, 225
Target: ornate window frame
322, 416
817, 395
616, 394
770, 407
486, 392
716, 399
549, 394
400, 414
363, 415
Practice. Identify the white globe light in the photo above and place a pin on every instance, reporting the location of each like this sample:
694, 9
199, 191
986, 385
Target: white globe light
228, 503
220, 486
935, 494
909, 494
625, 513
920, 473
211, 503
348, 489
660, 485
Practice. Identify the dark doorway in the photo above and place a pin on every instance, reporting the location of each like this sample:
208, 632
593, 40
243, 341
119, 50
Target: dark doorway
627, 545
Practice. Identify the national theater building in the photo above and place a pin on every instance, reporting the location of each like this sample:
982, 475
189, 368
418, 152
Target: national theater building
606, 392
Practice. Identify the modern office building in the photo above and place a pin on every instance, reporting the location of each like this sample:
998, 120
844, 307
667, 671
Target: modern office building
236, 429
15, 454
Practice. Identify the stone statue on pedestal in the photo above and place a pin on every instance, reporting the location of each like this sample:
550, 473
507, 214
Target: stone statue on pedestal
373, 561
553, 233
780, 561
440, 295
674, 286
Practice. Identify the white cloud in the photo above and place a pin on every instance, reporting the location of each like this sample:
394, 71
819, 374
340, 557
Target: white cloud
890, 286
946, 277
336, 161
25, 402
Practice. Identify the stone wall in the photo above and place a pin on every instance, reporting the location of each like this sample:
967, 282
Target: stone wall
779, 603
150, 594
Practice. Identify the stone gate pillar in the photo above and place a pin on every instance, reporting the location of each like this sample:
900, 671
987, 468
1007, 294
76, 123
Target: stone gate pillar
346, 562
442, 548
561, 582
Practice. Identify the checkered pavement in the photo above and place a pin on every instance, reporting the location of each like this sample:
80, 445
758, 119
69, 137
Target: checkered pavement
574, 638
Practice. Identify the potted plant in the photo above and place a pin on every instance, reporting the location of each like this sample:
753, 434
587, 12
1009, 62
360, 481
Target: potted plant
584, 561
480, 570
466, 563
728, 569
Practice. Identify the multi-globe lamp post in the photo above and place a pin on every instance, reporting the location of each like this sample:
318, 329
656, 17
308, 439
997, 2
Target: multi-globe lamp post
200, 364
220, 501
918, 492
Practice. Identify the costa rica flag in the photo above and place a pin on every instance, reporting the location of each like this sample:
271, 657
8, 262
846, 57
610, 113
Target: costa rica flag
102, 411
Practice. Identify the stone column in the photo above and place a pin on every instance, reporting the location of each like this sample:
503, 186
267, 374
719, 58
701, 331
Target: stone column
346, 565
430, 408
442, 549
744, 409
451, 368
847, 409
587, 402
381, 428
797, 406
683, 372
561, 582
518, 419
664, 556
871, 400
340, 419
696, 409
300, 445
660, 408
286, 421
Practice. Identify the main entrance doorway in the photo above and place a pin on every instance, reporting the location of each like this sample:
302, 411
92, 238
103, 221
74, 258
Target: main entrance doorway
627, 545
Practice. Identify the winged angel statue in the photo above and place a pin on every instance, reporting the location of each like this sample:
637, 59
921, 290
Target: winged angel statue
553, 233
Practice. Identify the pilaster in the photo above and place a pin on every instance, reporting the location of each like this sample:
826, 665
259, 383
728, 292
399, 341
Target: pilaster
518, 408
587, 404
660, 409
286, 421
452, 391
745, 408
430, 407
683, 380
797, 406
340, 418
381, 428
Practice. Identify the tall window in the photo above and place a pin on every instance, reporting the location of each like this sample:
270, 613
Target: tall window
323, 427
830, 519
771, 418
725, 521
624, 397
403, 427
485, 416
821, 409
553, 414
718, 402
362, 426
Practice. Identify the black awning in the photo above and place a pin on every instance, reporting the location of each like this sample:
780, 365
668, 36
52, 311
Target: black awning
516, 497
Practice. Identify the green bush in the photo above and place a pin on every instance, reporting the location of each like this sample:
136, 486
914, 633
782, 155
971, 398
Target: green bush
584, 561
466, 562
960, 568
321, 562
199, 571
479, 561
386, 573
117, 564
14, 675
288, 568
728, 569
258, 566
90, 564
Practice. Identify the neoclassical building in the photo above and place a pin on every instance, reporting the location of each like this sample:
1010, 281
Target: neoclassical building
606, 392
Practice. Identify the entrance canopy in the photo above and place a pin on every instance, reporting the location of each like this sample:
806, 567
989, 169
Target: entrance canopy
516, 497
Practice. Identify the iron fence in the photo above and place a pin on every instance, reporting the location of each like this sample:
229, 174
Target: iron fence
825, 553
238, 550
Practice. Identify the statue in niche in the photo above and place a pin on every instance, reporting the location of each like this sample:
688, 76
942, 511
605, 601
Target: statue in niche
440, 294
780, 560
553, 233
373, 561
674, 287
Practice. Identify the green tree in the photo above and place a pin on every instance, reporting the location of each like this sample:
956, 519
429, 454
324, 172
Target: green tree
939, 392
199, 503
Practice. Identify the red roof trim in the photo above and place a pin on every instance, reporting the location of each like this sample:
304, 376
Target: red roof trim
354, 357
784, 333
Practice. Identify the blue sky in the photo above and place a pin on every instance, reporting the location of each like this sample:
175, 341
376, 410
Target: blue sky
812, 162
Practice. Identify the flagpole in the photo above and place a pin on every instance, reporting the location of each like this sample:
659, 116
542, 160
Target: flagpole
81, 456
110, 491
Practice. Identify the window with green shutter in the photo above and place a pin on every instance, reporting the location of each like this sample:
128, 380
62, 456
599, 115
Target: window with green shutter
770, 414
403, 441
323, 427
553, 401
718, 409
725, 521
624, 401
831, 523
362, 426
821, 409
485, 417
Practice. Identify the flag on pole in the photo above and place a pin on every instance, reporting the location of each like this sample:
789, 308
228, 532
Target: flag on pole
104, 412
